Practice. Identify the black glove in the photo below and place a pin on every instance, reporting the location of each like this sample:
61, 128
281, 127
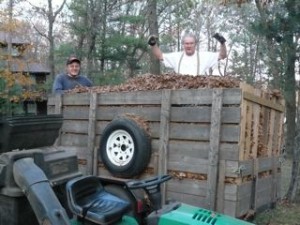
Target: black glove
219, 38
152, 40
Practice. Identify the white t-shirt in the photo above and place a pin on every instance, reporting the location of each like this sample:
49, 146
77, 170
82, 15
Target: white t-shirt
187, 65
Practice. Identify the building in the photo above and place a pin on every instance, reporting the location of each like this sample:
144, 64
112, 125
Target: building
19, 60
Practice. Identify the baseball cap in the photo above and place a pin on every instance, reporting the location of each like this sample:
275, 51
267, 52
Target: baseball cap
72, 59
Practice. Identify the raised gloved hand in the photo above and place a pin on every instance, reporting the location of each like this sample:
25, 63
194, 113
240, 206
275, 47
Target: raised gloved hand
219, 38
152, 40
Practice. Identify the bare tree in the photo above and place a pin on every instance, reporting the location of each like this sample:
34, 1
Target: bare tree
51, 15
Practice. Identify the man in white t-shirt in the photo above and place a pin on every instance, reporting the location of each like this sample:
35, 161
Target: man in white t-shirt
189, 61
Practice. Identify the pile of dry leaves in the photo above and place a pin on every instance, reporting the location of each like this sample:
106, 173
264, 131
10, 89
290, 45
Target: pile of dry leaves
148, 82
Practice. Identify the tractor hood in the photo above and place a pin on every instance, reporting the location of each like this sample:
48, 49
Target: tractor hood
190, 215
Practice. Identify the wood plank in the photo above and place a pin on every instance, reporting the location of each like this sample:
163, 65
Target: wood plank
242, 138
263, 192
131, 98
187, 186
238, 208
200, 132
238, 168
178, 150
203, 96
58, 104
280, 135
265, 164
197, 149
237, 199
248, 130
186, 96
51, 99
261, 101
75, 126
164, 137
193, 131
221, 186
213, 155
233, 192
254, 141
188, 164
271, 131
76, 99
91, 134
199, 114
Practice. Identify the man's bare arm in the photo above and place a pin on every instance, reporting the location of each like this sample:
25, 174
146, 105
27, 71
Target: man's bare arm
152, 41
157, 52
223, 51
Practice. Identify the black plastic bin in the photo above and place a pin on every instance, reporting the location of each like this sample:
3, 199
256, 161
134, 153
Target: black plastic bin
26, 132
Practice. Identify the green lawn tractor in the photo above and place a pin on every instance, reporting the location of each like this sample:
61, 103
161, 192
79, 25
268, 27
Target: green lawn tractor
44, 186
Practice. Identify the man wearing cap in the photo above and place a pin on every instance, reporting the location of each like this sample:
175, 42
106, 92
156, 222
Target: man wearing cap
71, 78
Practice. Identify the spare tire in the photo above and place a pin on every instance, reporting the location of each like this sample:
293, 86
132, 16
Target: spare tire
125, 148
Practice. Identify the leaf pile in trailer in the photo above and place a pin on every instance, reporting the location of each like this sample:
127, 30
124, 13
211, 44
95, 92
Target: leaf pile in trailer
166, 81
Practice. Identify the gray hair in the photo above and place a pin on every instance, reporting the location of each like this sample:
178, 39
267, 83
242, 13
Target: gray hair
192, 35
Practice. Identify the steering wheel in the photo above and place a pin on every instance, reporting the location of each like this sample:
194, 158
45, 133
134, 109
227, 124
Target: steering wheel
149, 183
152, 187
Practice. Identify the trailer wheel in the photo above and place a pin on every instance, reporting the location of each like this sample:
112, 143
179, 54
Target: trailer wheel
125, 148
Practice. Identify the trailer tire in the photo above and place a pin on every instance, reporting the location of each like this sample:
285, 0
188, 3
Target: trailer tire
125, 148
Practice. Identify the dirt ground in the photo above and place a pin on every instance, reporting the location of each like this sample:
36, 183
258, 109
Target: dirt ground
284, 213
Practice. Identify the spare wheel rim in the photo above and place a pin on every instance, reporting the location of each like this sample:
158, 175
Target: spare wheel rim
120, 148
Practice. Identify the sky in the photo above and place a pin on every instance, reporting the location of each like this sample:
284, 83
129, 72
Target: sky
24, 4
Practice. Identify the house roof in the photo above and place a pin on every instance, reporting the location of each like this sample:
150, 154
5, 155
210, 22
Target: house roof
25, 66
16, 38
28, 67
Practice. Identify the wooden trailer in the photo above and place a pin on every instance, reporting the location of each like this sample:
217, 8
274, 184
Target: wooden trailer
222, 145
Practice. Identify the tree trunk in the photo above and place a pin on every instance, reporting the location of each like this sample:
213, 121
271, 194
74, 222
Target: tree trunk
290, 98
153, 29
51, 20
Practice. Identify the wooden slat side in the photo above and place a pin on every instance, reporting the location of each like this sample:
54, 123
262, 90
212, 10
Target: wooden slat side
221, 186
248, 131
188, 186
131, 98
91, 133
255, 128
164, 137
76, 99
199, 150
58, 104
187, 114
265, 164
264, 102
213, 154
188, 164
232, 96
193, 132
242, 137
263, 191
238, 169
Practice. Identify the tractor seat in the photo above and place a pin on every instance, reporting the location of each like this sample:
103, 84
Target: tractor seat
88, 200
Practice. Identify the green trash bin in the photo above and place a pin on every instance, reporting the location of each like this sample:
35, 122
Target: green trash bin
28, 131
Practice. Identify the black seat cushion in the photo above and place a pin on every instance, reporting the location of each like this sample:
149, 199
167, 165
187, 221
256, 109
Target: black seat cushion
88, 199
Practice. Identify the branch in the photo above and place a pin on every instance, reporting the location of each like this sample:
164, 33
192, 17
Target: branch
59, 9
